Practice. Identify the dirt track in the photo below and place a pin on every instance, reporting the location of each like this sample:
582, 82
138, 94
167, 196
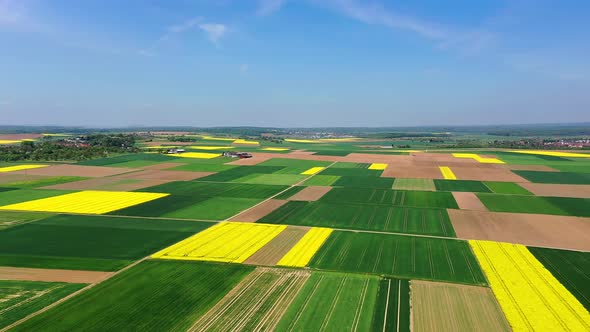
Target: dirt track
528, 229
468, 201
256, 213
74, 276
311, 193
273, 251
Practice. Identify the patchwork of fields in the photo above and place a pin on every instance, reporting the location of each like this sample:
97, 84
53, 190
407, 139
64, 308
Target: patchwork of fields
309, 235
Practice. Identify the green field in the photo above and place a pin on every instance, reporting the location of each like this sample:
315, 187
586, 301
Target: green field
414, 184
289, 192
363, 217
43, 182
461, 185
23, 195
364, 182
402, 256
555, 177
273, 179
393, 298
239, 172
349, 171
534, 204
571, 268
87, 243
13, 218
152, 296
508, 188
194, 167
321, 180
242, 190
332, 302
299, 163
19, 299
424, 199
215, 208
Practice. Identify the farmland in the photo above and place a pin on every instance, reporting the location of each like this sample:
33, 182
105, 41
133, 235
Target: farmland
307, 234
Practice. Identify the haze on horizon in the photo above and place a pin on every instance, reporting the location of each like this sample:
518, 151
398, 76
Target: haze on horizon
293, 63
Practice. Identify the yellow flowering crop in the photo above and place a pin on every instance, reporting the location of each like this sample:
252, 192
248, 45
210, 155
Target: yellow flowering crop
19, 168
478, 158
530, 296
313, 170
87, 202
9, 141
303, 251
447, 173
553, 153
198, 155
243, 141
275, 149
231, 242
377, 166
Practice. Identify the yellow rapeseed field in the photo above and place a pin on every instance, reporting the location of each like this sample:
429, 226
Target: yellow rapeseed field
313, 170
87, 202
447, 173
554, 153
530, 296
19, 168
231, 242
275, 149
377, 166
303, 251
246, 142
212, 147
478, 158
198, 155
9, 141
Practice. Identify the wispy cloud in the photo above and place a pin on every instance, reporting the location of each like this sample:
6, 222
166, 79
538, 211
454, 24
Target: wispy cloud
267, 7
214, 31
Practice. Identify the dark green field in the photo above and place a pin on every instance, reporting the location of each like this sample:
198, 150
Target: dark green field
534, 204
238, 172
364, 217
289, 192
364, 182
393, 297
508, 188
555, 177
19, 299
571, 268
407, 257
461, 185
88, 243
357, 171
423, 199
152, 296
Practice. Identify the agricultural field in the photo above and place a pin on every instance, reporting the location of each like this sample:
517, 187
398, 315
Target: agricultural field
308, 234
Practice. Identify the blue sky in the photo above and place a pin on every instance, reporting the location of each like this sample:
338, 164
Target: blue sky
294, 63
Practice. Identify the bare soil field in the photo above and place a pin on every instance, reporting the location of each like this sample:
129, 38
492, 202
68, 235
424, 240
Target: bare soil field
257, 303
12, 177
77, 170
51, 275
558, 190
486, 173
16, 137
301, 153
311, 193
256, 213
413, 172
273, 251
468, 201
529, 229
449, 307
541, 168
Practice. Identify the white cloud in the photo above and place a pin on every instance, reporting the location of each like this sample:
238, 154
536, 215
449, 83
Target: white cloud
214, 31
267, 7
185, 25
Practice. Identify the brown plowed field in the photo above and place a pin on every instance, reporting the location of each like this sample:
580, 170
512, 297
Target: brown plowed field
154, 174
273, 251
311, 193
558, 190
12, 177
77, 170
257, 212
413, 172
450, 307
523, 228
51, 275
486, 172
161, 166
468, 201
